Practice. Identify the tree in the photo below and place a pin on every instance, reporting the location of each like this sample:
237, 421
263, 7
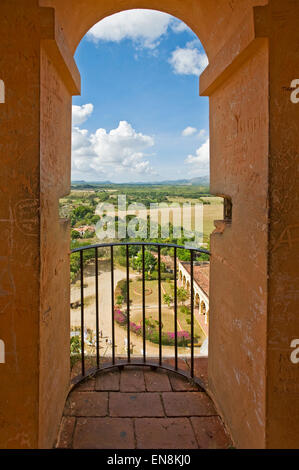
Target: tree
75, 235
167, 299
81, 215
149, 261
103, 196
88, 234
94, 219
184, 255
182, 295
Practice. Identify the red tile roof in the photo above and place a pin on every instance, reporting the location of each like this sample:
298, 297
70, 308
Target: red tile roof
201, 275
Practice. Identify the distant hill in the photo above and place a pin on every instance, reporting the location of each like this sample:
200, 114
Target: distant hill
198, 181
90, 183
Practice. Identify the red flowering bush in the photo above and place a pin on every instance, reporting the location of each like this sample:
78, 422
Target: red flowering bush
152, 331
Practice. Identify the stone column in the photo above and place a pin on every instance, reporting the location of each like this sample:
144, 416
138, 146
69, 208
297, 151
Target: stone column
280, 22
254, 264
39, 78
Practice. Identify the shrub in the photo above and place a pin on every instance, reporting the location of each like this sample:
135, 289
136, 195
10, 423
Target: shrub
120, 299
121, 290
152, 331
164, 276
185, 310
120, 317
135, 328
75, 346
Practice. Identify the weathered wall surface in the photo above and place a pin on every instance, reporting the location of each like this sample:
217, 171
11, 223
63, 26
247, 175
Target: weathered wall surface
238, 279
35, 129
19, 224
212, 20
55, 287
281, 23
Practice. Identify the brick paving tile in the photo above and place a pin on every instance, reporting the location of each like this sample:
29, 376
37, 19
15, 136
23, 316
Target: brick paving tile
164, 433
190, 422
132, 380
87, 404
87, 386
65, 437
135, 405
104, 433
210, 433
157, 381
180, 384
107, 381
188, 404
182, 364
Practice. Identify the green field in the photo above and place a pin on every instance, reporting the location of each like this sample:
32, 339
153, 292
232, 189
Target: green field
80, 206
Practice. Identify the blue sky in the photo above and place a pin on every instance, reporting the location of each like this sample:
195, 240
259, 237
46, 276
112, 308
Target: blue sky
140, 116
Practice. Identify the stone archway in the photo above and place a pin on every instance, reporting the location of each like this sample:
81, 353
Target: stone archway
253, 266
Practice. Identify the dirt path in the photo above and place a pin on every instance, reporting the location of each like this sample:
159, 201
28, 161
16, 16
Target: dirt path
105, 313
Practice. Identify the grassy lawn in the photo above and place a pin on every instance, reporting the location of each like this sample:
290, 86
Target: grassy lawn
151, 287
152, 307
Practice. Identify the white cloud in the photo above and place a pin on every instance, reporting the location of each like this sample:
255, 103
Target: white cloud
81, 113
188, 60
200, 161
178, 26
189, 131
143, 27
106, 154
202, 134
195, 43
122, 145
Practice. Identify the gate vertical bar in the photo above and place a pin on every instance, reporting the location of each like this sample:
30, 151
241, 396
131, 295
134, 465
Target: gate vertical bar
112, 303
160, 305
97, 306
82, 314
175, 311
192, 315
128, 307
143, 303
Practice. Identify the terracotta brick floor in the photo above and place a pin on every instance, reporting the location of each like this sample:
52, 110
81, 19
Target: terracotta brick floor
138, 408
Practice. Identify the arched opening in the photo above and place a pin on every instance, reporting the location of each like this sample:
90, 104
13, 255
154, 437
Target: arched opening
126, 303
187, 283
153, 44
248, 247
